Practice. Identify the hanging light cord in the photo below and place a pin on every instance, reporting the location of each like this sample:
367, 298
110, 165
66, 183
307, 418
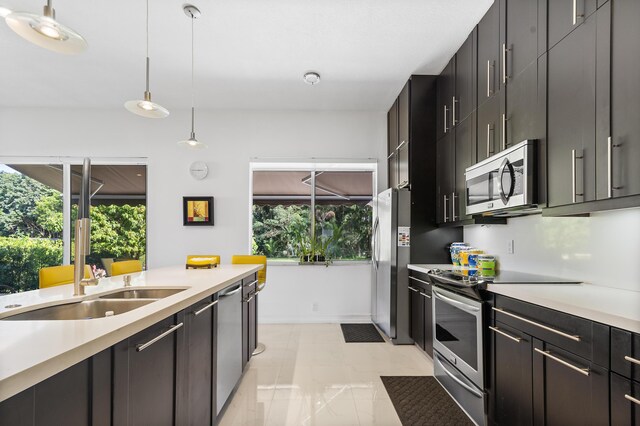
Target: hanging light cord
147, 92
193, 96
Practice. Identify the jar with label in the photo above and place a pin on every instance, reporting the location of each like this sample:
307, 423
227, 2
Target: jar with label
455, 252
486, 262
472, 257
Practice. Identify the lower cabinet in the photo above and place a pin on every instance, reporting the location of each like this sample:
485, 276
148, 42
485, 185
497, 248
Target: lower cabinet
421, 311
533, 381
625, 401
249, 318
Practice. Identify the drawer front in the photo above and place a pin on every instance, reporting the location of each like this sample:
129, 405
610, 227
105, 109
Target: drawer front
420, 281
577, 335
625, 401
625, 353
249, 286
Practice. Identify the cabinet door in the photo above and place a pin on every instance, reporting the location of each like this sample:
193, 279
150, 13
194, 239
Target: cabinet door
465, 80
200, 339
417, 315
521, 36
392, 144
489, 128
403, 135
145, 375
245, 332
565, 16
445, 90
512, 379
464, 157
253, 323
445, 167
624, 103
571, 127
568, 390
428, 324
488, 64
624, 410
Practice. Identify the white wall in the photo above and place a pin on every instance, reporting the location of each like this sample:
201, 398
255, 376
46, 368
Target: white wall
602, 249
233, 138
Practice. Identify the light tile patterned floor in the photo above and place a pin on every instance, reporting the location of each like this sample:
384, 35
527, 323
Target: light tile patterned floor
308, 376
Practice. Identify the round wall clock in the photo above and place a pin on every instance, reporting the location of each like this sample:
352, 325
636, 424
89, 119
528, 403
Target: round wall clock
199, 170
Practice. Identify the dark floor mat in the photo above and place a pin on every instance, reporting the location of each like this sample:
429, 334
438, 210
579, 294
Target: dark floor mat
361, 333
420, 400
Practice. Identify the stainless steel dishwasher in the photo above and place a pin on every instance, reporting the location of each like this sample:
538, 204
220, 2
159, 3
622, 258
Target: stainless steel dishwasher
229, 353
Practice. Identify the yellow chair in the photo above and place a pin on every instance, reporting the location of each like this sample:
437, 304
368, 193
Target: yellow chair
244, 259
59, 275
125, 267
202, 261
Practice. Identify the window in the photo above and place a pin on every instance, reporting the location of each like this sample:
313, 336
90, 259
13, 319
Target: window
38, 208
320, 212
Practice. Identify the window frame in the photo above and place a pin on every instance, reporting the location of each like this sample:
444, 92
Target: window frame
310, 166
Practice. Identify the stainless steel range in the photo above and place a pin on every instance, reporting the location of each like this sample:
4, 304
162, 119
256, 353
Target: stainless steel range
458, 326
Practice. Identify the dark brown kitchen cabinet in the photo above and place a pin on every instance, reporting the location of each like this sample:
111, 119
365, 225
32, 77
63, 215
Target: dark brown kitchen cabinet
200, 368
525, 35
625, 353
618, 127
421, 311
404, 124
565, 16
392, 142
464, 157
625, 401
568, 389
489, 135
249, 318
464, 101
445, 93
571, 122
147, 374
417, 328
488, 63
512, 381
445, 172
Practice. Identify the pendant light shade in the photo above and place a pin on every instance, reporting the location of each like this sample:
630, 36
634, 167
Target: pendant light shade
44, 31
193, 13
145, 107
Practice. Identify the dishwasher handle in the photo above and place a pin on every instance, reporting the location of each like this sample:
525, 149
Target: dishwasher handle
231, 293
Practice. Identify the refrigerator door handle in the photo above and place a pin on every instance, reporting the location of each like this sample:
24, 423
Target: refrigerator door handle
374, 243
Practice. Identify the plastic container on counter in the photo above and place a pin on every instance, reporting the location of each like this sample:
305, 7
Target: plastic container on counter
486, 263
455, 252
465, 256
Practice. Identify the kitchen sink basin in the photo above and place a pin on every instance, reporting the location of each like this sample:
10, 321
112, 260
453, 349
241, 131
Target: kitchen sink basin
143, 293
80, 310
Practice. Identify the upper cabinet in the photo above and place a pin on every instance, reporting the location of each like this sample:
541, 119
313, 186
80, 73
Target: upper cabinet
488, 65
464, 102
392, 144
403, 136
446, 86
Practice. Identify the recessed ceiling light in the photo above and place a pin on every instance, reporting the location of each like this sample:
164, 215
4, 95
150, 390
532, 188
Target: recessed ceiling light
4, 12
311, 78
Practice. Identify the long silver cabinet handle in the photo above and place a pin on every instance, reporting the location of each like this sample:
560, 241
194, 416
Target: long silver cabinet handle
504, 132
414, 289
633, 360
454, 120
632, 399
505, 49
391, 155
445, 119
548, 354
201, 310
401, 145
489, 150
574, 190
463, 306
575, 15
507, 335
609, 165
445, 208
453, 206
425, 295
251, 298
573, 337
489, 66
172, 329
419, 280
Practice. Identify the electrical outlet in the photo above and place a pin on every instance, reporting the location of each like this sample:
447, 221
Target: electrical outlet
314, 308
511, 247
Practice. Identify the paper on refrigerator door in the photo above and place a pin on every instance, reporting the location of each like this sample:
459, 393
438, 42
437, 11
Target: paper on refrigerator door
404, 236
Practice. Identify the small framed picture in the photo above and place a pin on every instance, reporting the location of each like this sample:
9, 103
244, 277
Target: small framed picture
197, 211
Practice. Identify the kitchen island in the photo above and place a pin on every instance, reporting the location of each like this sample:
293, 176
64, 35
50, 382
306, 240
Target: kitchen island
33, 351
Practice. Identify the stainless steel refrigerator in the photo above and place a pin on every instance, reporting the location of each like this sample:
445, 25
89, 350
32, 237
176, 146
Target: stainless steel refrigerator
390, 256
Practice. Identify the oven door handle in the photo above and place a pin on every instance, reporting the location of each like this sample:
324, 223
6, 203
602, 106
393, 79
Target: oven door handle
467, 308
458, 381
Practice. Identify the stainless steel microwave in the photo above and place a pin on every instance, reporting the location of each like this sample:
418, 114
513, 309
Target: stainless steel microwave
504, 184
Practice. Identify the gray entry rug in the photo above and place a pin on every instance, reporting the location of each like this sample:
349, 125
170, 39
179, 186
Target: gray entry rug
361, 333
421, 401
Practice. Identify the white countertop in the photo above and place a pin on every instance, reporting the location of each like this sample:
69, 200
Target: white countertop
606, 305
32, 351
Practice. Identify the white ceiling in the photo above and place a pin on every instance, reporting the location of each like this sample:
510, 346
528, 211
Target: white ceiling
250, 54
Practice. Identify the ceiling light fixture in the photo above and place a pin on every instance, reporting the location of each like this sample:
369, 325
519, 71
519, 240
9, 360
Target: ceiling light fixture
44, 31
311, 78
194, 13
145, 107
4, 12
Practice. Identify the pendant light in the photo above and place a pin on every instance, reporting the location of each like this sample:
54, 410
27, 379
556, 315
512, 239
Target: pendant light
44, 31
145, 107
194, 13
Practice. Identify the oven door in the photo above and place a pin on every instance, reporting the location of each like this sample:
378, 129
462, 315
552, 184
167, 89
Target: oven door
457, 331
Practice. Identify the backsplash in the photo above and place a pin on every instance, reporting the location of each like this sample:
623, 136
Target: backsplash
603, 249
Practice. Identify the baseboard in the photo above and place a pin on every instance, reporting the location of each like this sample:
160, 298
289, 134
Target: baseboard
316, 319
